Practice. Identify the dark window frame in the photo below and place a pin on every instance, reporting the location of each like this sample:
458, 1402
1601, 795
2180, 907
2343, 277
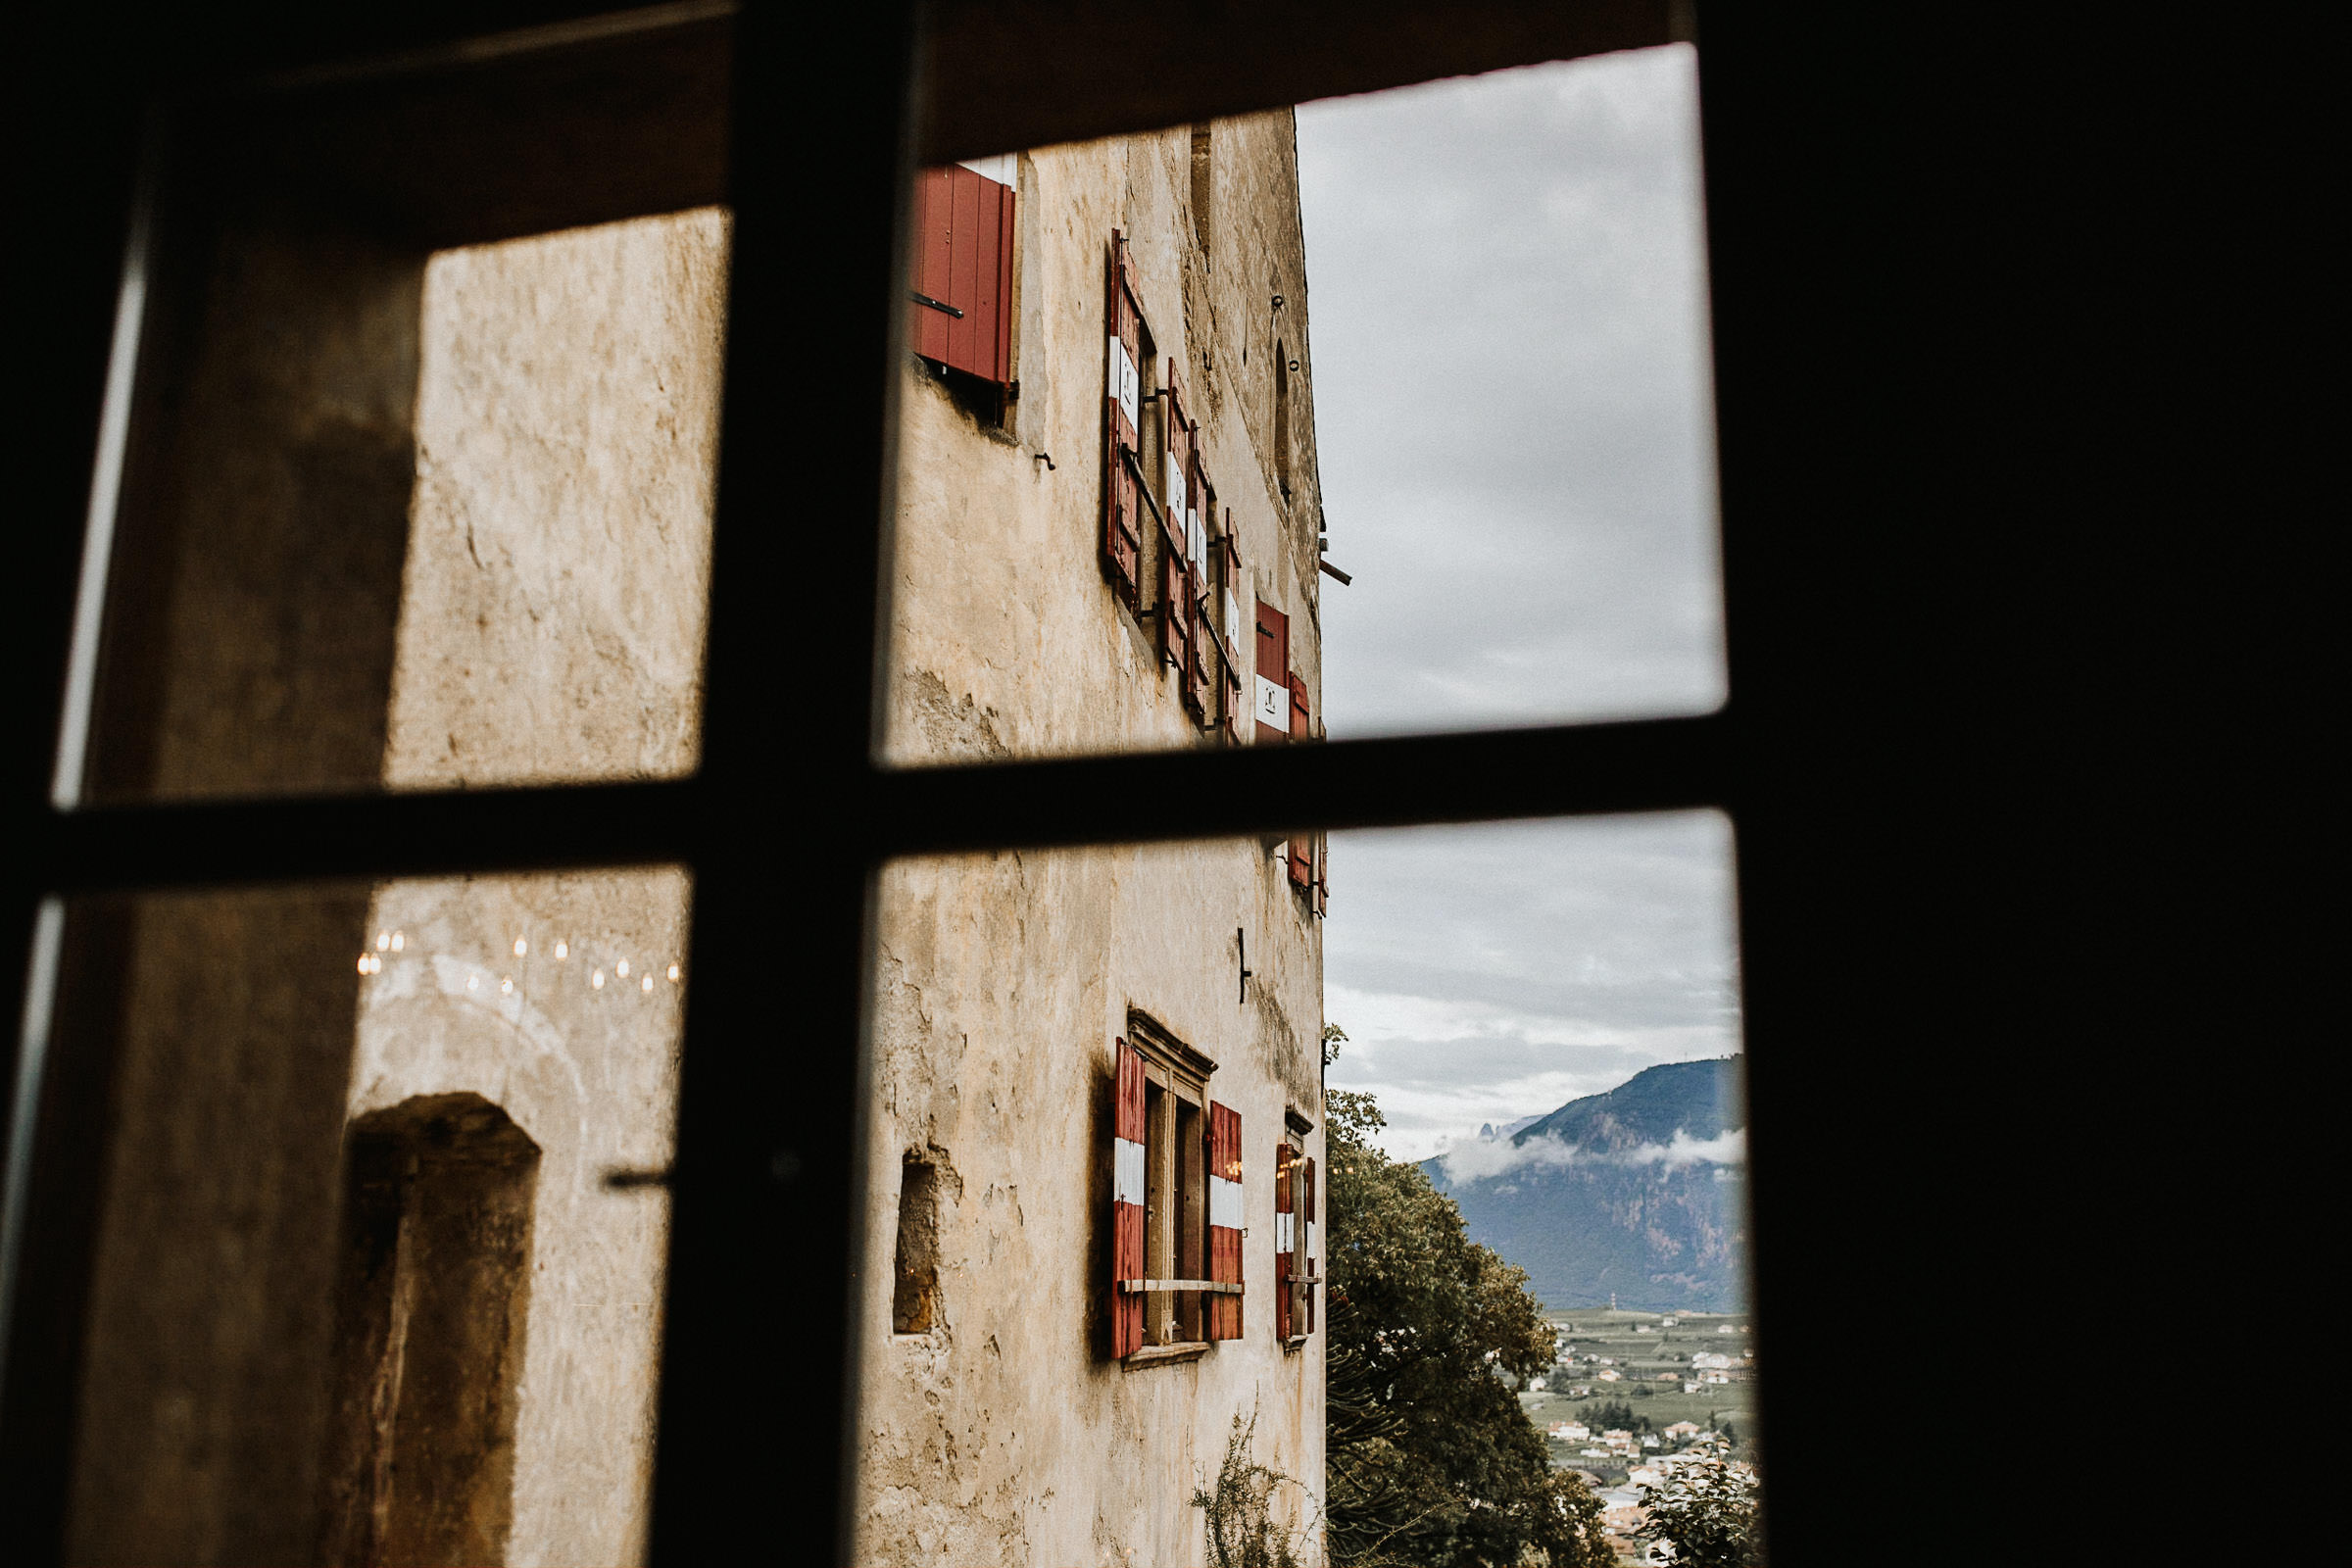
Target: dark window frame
767, 1146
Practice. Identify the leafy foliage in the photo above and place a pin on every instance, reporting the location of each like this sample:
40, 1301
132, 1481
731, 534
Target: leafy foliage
1239, 1514
1706, 1515
1429, 1458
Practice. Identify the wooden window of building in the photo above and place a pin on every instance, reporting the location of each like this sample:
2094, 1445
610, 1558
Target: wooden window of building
1273, 680
960, 316
1296, 1275
431, 1301
1176, 1277
1126, 352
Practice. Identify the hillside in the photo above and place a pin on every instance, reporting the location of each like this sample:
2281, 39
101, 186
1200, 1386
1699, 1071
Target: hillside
1638, 1191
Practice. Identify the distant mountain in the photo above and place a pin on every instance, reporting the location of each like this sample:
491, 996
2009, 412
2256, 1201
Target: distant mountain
1640, 1191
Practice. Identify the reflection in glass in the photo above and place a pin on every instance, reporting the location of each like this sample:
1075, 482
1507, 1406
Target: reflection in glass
411, 426
401, 1163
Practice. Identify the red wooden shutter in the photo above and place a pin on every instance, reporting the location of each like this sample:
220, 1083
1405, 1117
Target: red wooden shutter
934, 223
1176, 483
964, 264
1122, 505
1307, 1248
1284, 1241
1127, 1204
1301, 849
1176, 614
1273, 689
1229, 609
1224, 1219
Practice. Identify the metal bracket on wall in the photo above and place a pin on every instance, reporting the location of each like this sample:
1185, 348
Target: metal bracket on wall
1240, 945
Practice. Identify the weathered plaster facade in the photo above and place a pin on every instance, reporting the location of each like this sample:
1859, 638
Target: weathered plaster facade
523, 435
529, 430
1007, 1432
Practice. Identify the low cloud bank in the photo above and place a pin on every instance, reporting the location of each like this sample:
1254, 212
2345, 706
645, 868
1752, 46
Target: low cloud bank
1484, 1159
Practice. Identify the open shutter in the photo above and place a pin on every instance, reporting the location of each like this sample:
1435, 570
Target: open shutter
1127, 1204
1201, 639
1273, 691
1122, 409
1229, 609
1224, 1219
1179, 454
1300, 851
1285, 1241
1306, 1249
961, 314
1322, 874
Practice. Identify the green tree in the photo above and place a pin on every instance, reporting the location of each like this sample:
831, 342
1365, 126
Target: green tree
1706, 1515
1429, 1458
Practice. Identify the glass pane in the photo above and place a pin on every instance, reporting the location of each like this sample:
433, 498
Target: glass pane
1141, 504
379, 1215
1529, 1038
418, 389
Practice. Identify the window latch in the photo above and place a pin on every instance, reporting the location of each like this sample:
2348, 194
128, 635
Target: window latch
937, 305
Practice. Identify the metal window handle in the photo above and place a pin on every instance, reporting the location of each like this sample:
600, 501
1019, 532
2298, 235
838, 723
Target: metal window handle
937, 305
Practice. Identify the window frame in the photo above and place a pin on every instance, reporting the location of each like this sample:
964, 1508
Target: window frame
1178, 1075
764, 1142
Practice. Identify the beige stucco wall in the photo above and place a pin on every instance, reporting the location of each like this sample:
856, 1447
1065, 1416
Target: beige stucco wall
522, 436
1006, 1434
551, 617
1005, 638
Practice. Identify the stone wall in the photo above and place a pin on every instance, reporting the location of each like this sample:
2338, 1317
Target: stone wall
1006, 1433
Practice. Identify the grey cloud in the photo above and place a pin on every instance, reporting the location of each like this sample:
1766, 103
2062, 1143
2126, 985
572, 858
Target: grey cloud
1486, 1159
1511, 395
1513, 414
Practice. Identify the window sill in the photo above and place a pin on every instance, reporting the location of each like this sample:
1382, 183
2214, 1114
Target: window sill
1296, 1342
1165, 1354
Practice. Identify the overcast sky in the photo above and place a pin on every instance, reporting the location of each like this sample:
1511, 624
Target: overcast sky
1507, 286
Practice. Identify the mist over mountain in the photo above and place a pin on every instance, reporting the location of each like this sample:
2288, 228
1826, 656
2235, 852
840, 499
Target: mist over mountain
1640, 1192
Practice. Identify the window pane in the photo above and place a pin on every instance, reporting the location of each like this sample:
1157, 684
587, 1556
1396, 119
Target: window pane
378, 1216
418, 381
1524, 1037
1547, 1017
1142, 505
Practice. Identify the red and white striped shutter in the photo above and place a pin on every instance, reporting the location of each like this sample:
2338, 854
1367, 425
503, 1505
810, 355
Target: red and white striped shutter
1273, 689
1224, 1218
1231, 608
1122, 409
1176, 454
1199, 653
1127, 1204
1285, 1242
1301, 849
1306, 1246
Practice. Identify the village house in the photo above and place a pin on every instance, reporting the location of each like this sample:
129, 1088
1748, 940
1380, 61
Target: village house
1683, 1431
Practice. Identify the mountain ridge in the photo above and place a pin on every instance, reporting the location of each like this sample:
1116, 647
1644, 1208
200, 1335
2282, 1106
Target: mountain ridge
1637, 1193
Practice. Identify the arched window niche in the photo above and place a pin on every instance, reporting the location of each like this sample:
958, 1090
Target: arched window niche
433, 1291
